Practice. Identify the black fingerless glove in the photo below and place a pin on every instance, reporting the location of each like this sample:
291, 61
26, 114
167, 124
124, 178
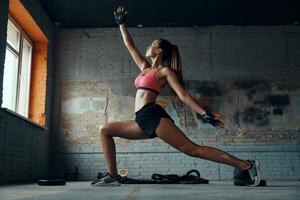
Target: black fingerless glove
215, 122
120, 16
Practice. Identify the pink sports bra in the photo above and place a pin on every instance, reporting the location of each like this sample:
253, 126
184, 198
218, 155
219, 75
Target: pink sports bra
148, 81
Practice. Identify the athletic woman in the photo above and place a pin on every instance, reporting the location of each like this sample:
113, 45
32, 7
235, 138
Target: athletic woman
151, 120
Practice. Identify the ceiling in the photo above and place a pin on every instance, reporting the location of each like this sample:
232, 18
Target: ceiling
99, 13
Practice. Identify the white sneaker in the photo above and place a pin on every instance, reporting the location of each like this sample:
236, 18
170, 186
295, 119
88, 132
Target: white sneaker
107, 180
254, 173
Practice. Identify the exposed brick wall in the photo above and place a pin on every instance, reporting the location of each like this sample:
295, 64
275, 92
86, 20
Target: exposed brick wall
234, 71
26, 150
274, 165
38, 83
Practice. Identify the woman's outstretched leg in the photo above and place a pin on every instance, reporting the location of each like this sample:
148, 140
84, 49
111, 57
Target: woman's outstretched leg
124, 129
172, 135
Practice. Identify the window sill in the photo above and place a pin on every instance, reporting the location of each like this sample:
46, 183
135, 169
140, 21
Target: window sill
24, 118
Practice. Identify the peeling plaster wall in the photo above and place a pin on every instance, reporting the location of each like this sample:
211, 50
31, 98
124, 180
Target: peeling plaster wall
247, 76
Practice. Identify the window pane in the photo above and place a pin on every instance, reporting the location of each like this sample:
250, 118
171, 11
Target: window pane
10, 80
13, 36
25, 79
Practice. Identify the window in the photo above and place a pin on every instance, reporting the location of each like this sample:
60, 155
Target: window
17, 69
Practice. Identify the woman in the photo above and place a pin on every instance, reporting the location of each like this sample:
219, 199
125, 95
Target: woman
151, 119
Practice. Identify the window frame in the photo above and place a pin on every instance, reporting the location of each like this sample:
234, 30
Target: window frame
19, 53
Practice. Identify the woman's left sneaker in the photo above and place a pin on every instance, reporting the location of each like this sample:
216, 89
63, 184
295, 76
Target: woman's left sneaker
107, 180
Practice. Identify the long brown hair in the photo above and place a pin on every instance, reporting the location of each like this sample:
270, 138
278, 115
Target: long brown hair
171, 57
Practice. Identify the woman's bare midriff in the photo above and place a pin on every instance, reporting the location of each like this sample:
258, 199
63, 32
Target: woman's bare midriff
143, 97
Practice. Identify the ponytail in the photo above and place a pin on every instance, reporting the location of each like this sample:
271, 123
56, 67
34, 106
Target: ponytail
171, 58
176, 63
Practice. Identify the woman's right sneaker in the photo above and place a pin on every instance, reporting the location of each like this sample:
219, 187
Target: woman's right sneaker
254, 173
107, 180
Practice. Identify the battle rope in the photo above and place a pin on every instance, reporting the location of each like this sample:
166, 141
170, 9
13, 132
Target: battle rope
188, 178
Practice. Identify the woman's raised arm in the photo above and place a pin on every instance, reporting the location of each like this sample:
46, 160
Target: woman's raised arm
120, 16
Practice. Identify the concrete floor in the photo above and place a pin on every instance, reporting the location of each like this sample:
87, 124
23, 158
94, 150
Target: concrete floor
283, 190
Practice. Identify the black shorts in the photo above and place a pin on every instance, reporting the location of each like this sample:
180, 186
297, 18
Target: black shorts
148, 118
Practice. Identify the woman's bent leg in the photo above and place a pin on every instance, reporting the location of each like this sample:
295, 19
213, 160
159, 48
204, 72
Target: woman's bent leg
124, 129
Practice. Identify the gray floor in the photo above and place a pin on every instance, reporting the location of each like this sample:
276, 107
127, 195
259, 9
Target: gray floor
283, 190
